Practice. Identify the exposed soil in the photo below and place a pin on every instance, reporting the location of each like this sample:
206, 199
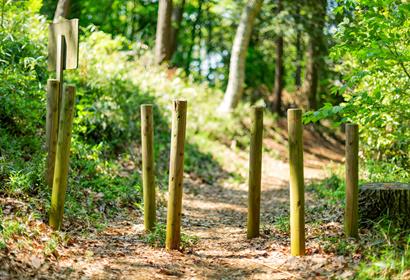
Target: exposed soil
216, 215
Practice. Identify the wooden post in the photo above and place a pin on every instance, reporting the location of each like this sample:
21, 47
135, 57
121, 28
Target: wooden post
297, 196
61, 58
148, 180
53, 87
62, 158
176, 173
60, 66
352, 180
255, 168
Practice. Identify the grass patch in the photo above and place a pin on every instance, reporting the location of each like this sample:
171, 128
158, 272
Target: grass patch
156, 238
384, 248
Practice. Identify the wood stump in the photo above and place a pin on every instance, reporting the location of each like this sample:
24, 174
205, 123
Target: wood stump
385, 199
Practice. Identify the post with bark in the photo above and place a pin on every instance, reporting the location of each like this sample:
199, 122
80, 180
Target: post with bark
176, 173
297, 196
148, 179
255, 169
352, 180
53, 88
62, 158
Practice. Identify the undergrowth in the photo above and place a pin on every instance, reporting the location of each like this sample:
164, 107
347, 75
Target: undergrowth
111, 84
384, 246
157, 237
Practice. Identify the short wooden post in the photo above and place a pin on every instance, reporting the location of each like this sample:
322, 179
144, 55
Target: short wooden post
53, 88
148, 180
297, 196
255, 168
352, 180
176, 173
62, 158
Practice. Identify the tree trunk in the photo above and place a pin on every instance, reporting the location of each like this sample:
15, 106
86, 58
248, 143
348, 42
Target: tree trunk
193, 36
299, 58
238, 55
314, 54
162, 40
298, 46
278, 86
176, 20
379, 199
62, 10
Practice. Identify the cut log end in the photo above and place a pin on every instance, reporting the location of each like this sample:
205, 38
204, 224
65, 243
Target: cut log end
385, 199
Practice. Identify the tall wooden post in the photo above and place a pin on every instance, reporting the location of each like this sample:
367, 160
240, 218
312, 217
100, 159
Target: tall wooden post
255, 169
62, 158
148, 180
53, 88
352, 180
176, 173
297, 196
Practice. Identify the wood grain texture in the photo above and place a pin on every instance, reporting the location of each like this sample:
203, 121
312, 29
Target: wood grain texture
385, 199
255, 170
62, 158
148, 177
352, 180
296, 181
53, 88
176, 173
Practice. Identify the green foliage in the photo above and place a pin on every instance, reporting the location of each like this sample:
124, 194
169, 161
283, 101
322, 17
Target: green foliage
282, 223
385, 247
157, 237
373, 56
8, 229
332, 189
111, 85
389, 256
379, 171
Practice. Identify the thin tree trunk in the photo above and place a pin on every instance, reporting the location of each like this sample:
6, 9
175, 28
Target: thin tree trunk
162, 40
176, 20
278, 86
238, 55
312, 74
298, 46
62, 10
314, 53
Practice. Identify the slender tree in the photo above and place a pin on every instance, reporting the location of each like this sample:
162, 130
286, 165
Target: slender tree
177, 12
279, 69
163, 35
298, 47
315, 50
62, 10
238, 55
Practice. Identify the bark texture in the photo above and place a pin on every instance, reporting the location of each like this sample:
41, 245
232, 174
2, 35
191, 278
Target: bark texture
238, 55
62, 10
163, 35
379, 199
279, 69
315, 50
299, 51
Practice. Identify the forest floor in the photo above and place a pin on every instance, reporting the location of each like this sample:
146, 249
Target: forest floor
214, 223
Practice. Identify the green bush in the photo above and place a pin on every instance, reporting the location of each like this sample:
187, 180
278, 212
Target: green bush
373, 55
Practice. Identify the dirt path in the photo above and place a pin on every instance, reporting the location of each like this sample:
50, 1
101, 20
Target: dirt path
216, 214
